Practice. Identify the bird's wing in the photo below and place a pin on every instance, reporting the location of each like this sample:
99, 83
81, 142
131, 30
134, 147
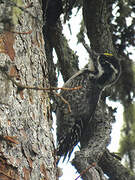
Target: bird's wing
83, 103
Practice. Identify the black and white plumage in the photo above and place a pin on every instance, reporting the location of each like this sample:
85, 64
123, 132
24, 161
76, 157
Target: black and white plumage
71, 125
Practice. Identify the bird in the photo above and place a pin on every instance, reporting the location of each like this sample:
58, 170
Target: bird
104, 71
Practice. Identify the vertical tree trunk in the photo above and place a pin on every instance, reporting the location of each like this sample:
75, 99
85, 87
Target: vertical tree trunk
26, 142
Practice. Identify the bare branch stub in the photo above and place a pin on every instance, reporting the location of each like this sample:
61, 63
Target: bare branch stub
85, 170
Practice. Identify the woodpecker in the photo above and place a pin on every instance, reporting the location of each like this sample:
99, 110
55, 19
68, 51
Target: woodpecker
104, 71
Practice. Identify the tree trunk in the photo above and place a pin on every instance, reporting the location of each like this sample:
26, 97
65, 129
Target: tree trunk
26, 142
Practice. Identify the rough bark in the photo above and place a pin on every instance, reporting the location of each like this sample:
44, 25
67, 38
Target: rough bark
96, 21
26, 141
113, 168
94, 149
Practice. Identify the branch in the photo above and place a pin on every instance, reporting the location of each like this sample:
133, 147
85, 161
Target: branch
94, 144
67, 58
96, 21
113, 168
85, 170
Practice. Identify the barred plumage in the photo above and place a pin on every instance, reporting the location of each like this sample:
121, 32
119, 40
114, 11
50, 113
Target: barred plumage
83, 102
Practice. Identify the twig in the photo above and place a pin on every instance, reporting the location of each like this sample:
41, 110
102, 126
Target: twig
64, 100
21, 86
84, 171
